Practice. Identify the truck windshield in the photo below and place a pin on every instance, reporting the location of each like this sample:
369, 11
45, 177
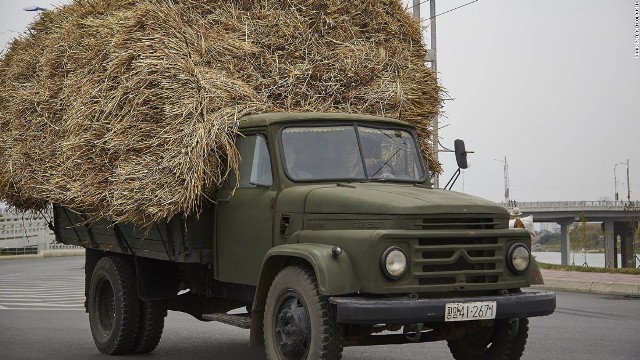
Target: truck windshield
350, 153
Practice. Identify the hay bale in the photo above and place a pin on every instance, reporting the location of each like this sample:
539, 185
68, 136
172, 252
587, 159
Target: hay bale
130, 108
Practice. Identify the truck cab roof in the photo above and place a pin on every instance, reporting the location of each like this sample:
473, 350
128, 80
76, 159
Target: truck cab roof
266, 119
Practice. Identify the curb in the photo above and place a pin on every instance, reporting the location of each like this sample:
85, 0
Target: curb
46, 254
605, 288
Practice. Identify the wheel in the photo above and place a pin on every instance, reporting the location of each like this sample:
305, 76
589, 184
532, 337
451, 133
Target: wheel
519, 341
300, 323
491, 343
114, 307
152, 314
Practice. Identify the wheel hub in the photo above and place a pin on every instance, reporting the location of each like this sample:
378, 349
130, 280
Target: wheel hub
105, 306
292, 328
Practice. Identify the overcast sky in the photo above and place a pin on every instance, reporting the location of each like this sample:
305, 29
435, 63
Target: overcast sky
552, 85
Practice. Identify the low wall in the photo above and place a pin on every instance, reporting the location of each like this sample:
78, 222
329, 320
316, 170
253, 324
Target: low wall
22, 230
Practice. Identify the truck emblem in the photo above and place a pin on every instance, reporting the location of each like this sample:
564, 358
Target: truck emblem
363, 224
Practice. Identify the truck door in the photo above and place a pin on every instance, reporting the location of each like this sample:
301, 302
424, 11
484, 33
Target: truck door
244, 217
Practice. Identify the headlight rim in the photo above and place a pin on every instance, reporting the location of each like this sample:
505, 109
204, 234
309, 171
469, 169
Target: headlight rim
383, 263
509, 258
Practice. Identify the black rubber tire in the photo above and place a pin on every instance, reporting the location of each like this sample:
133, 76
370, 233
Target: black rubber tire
325, 334
519, 341
114, 307
491, 343
150, 327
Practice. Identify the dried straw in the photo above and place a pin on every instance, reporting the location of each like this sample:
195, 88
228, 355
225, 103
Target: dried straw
130, 108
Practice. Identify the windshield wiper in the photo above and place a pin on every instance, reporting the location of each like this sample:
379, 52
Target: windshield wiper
386, 162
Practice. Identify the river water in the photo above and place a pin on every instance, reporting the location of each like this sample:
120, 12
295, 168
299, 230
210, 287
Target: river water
578, 258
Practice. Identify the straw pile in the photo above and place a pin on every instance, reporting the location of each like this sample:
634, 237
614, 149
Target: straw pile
130, 108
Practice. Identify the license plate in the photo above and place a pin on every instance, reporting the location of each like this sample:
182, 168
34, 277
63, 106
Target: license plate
470, 311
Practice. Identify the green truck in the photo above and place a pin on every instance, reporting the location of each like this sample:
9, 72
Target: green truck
330, 236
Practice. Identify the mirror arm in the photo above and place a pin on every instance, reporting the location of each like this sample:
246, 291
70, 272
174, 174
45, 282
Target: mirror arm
453, 180
444, 148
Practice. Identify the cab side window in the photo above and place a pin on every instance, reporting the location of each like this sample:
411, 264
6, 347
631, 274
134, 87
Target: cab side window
255, 162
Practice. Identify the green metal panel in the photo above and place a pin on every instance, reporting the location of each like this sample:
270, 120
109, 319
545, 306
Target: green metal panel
189, 241
335, 274
244, 219
365, 248
243, 234
534, 276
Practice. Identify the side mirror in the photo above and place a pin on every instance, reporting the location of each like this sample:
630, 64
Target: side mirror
461, 153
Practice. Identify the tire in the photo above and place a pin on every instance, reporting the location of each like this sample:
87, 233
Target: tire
114, 307
491, 343
519, 341
150, 327
300, 323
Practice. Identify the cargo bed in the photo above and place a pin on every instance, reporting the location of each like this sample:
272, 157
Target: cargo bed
187, 240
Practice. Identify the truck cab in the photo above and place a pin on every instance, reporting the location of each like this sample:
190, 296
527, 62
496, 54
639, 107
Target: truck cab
331, 235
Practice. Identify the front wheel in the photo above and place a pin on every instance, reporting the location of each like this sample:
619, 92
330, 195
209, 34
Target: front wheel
496, 342
300, 323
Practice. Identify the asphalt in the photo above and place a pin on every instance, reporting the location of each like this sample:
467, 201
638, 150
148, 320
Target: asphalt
573, 281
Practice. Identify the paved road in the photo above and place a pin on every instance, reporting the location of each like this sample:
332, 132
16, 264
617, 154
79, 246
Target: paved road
31, 285
41, 317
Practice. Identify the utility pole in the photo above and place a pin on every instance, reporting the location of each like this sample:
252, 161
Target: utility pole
628, 184
431, 58
615, 180
615, 183
416, 9
506, 179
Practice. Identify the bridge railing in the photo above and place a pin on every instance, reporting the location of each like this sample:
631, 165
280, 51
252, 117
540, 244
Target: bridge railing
565, 205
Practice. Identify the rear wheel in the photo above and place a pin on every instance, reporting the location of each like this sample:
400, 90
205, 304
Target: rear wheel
114, 308
300, 323
151, 325
497, 342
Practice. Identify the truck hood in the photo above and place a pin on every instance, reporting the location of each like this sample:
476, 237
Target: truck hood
381, 199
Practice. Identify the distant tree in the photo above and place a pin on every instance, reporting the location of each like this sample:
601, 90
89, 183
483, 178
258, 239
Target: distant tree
549, 238
633, 208
579, 234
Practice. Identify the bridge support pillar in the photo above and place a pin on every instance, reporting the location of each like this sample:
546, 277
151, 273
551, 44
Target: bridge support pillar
625, 230
610, 252
565, 243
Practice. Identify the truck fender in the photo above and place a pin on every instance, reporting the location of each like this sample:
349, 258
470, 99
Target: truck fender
334, 274
533, 273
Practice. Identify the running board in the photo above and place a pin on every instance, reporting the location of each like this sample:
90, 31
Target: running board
242, 321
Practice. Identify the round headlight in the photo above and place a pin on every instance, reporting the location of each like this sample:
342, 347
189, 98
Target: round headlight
394, 263
518, 258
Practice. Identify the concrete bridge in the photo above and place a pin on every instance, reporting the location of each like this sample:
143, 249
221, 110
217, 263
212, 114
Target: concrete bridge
618, 218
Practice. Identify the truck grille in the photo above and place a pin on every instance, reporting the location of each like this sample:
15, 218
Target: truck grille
456, 223
457, 261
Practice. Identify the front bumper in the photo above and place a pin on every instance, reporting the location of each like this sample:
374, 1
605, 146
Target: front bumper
405, 310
